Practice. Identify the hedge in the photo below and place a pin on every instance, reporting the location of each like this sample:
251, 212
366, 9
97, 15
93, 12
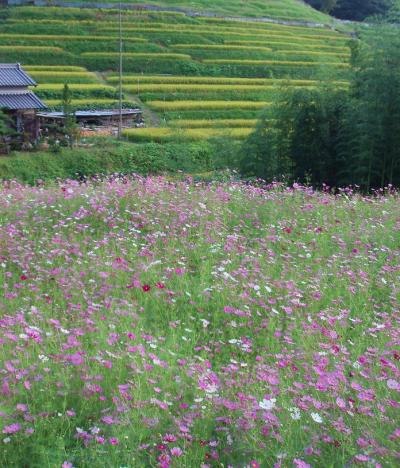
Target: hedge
109, 157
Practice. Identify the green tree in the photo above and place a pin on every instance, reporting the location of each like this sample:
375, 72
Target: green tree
323, 5
356, 10
371, 129
70, 128
6, 132
300, 141
326, 135
393, 15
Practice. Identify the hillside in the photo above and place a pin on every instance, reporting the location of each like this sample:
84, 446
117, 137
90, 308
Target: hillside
197, 76
279, 9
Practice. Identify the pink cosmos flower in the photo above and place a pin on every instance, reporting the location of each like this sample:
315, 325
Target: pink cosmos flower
108, 420
12, 428
393, 384
361, 458
67, 464
22, 407
300, 463
169, 438
76, 359
176, 452
146, 287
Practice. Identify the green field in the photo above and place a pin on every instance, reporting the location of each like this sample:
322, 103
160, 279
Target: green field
181, 68
280, 9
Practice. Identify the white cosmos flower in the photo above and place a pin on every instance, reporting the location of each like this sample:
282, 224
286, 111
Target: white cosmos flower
267, 404
317, 418
295, 413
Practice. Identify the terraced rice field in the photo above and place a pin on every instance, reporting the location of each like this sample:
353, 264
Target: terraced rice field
281, 9
195, 70
86, 90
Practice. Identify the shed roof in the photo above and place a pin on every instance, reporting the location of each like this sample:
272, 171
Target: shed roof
13, 75
91, 113
16, 101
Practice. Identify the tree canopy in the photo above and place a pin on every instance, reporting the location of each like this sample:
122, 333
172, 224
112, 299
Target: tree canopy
356, 10
337, 136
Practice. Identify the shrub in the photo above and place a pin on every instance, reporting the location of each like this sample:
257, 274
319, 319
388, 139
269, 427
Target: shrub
109, 157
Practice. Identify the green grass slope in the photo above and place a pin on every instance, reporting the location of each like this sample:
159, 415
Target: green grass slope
279, 9
200, 77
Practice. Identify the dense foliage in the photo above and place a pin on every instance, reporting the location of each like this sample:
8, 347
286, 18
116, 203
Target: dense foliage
337, 137
356, 10
110, 157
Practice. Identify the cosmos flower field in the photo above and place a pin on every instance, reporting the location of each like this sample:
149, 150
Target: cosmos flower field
150, 323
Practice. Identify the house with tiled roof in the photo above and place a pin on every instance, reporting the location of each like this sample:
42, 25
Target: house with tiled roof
18, 101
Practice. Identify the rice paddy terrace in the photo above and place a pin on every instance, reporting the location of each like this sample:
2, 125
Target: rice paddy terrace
199, 77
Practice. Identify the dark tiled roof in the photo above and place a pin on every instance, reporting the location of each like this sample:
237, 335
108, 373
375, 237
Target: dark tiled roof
15, 101
11, 74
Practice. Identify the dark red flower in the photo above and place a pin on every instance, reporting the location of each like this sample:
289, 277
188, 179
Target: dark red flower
23, 277
146, 288
288, 230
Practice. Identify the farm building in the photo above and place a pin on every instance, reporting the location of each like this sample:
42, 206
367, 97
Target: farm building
18, 101
94, 118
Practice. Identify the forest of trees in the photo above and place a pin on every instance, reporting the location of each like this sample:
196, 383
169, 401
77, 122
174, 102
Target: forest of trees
356, 10
337, 136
